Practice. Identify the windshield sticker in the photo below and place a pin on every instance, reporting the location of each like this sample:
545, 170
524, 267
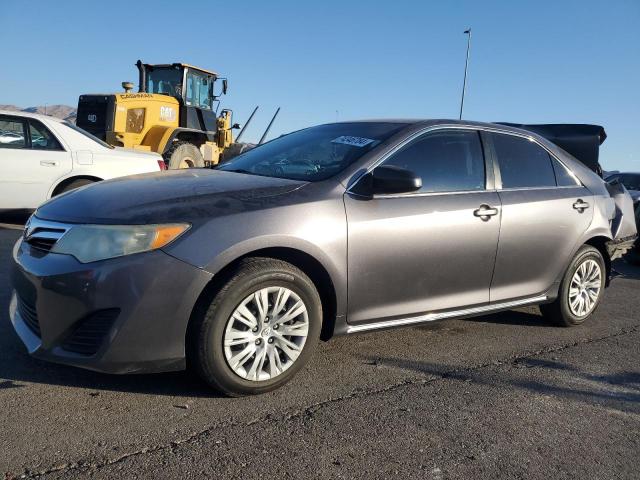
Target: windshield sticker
353, 141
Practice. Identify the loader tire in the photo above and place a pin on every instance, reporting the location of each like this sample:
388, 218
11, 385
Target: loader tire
183, 155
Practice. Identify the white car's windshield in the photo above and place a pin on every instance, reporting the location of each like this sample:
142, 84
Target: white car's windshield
315, 153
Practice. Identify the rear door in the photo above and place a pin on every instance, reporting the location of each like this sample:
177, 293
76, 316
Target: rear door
425, 251
545, 210
32, 159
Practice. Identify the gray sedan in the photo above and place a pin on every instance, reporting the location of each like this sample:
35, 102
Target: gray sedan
331, 230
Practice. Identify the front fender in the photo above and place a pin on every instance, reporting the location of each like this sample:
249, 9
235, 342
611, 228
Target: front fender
321, 234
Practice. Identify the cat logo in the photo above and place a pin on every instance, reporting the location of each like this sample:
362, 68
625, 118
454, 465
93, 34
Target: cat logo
167, 114
92, 117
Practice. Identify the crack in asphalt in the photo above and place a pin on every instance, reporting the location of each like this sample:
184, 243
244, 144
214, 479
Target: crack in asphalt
311, 409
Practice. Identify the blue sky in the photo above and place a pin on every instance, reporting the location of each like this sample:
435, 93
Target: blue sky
536, 61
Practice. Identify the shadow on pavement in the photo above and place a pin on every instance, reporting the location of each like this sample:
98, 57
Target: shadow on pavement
625, 269
618, 391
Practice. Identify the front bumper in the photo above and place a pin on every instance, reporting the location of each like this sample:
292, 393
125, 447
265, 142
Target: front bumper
123, 315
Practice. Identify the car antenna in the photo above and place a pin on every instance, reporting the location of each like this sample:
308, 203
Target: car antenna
246, 123
264, 135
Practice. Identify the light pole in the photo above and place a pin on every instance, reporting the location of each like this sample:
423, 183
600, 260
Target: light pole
466, 66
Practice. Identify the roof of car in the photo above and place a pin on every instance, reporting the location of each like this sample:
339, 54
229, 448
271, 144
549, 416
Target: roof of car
39, 116
442, 121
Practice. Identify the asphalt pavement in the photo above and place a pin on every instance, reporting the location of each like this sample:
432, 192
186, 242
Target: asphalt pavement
500, 396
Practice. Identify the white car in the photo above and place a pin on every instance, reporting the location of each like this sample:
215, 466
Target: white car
43, 156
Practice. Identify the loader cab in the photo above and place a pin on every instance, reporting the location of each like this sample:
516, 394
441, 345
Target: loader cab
193, 87
196, 90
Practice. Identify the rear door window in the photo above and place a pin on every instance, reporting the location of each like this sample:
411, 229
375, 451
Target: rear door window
447, 161
13, 133
42, 138
523, 163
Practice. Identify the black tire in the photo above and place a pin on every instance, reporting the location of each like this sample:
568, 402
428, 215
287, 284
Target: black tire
80, 182
559, 311
206, 352
183, 153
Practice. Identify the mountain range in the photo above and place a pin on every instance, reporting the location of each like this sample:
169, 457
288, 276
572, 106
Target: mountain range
60, 111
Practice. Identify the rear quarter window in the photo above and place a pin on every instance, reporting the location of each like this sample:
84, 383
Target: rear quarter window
564, 176
523, 163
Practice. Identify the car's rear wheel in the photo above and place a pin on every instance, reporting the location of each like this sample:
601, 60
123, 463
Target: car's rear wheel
260, 329
80, 182
581, 289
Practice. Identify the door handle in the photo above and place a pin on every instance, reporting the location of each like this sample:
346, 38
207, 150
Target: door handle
485, 212
580, 205
48, 163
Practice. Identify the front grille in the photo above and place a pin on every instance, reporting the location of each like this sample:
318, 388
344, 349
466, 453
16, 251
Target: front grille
43, 235
90, 332
44, 244
27, 311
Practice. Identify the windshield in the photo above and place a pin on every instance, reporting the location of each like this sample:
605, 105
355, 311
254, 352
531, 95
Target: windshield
166, 80
86, 134
315, 153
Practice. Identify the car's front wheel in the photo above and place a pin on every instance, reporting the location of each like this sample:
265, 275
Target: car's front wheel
581, 289
260, 329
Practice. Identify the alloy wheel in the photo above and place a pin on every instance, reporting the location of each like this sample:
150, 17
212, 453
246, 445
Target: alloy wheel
585, 287
266, 333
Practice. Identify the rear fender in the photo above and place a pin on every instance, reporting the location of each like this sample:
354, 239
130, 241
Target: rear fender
623, 224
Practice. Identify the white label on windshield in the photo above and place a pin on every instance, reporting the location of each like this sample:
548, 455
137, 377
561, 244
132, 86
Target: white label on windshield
353, 141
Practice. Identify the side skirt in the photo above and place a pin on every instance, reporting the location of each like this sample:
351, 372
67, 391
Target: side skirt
431, 317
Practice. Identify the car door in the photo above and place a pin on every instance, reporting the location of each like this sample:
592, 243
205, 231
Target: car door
430, 250
545, 210
30, 164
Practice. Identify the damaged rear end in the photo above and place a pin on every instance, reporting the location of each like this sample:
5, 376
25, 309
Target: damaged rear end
623, 224
580, 145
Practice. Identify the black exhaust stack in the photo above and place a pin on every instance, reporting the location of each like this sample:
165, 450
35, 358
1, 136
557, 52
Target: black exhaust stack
142, 77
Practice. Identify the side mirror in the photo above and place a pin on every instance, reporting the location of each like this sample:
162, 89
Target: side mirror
224, 86
387, 179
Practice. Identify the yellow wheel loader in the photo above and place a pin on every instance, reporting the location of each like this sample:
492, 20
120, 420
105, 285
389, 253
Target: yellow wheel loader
173, 113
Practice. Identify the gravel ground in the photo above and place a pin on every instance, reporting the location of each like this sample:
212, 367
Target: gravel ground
500, 396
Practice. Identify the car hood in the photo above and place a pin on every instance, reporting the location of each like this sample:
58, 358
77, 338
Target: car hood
191, 195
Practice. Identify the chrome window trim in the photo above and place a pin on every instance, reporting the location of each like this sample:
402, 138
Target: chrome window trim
430, 194
449, 126
431, 317
517, 189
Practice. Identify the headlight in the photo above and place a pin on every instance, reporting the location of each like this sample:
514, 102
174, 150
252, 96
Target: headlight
90, 243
